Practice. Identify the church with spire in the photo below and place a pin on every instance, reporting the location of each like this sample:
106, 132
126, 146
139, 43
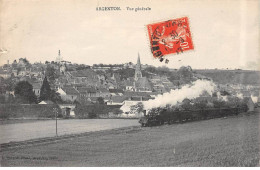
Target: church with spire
138, 70
139, 83
61, 64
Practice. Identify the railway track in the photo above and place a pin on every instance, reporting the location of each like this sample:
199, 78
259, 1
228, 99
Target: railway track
47, 140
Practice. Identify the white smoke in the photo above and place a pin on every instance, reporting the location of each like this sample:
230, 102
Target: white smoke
240, 95
254, 98
220, 97
188, 91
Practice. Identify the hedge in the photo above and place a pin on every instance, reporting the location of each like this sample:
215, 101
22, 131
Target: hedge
28, 111
93, 111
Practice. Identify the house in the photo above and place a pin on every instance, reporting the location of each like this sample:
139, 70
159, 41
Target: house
89, 92
130, 94
46, 102
68, 93
129, 85
116, 92
68, 109
92, 92
92, 99
103, 92
126, 107
4, 74
117, 100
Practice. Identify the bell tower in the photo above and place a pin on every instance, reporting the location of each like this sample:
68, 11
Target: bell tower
138, 72
58, 58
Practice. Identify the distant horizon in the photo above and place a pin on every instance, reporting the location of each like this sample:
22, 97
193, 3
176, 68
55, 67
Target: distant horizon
43, 62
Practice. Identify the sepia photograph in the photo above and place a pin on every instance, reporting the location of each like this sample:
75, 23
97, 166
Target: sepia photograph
129, 83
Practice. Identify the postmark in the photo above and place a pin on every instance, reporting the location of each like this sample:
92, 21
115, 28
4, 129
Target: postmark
170, 37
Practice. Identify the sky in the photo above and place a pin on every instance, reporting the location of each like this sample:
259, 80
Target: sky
225, 33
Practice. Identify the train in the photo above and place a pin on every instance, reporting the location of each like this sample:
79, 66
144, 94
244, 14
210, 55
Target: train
157, 117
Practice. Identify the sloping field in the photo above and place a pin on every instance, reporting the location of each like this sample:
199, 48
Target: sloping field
232, 141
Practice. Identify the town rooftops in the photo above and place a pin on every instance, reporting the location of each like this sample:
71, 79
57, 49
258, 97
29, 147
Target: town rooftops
116, 91
139, 98
87, 90
70, 90
103, 90
84, 73
144, 94
118, 99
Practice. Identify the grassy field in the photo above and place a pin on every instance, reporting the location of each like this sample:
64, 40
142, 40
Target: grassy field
14, 121
232, 141
13, 132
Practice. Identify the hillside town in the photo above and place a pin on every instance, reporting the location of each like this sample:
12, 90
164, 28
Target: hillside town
120, 86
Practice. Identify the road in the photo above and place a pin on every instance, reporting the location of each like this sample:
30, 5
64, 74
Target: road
46, 128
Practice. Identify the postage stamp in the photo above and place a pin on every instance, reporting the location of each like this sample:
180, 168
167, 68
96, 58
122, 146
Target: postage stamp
169, 37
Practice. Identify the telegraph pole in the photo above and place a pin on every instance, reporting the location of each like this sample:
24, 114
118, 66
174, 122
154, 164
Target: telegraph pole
56, 114
56, 123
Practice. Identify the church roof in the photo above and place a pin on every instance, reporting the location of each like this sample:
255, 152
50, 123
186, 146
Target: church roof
143, 82
70, 90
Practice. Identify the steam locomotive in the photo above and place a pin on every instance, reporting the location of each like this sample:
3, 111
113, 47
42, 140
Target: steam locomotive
167, 116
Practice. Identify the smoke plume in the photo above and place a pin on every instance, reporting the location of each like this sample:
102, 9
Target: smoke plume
240, 95
254, 98
220, 97
188, 91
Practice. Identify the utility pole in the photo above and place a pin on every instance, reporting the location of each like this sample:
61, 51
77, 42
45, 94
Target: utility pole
56, 114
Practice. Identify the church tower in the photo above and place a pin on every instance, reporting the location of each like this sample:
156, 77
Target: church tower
58, 58
138, 73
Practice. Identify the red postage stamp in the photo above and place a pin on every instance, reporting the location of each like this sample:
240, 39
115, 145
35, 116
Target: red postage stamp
169, 37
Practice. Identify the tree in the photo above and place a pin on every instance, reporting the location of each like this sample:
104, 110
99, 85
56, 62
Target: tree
51, 74
200, 104
187, 106
185, 72
139, 107
117, 111
45, 93
24, 91
55, 97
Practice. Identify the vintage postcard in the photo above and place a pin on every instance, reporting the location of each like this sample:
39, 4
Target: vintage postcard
129, 83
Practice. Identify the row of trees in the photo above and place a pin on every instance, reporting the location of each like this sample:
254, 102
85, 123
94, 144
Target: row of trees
24, 93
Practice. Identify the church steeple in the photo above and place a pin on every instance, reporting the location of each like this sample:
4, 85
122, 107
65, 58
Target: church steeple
58, 58
138, 72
